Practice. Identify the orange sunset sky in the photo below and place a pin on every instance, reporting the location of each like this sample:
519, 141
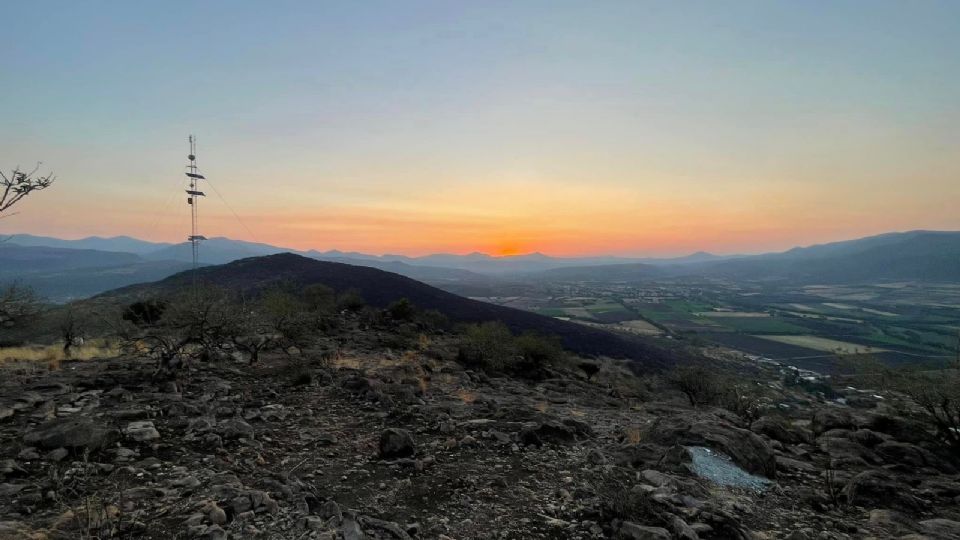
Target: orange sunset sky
569, 128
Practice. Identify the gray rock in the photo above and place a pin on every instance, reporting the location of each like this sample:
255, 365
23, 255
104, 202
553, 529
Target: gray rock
899, 428
911, 455
71, 432
892, 521
56, 455
879, 489
216, 515
331, 510
28, 453
9, 467
241, 504
941, 528
141, 431
829, 418
351, 530
215, 532
9, 490
235, 428
567, 431
312, 523
682, 530
396, 443
777, 430
632, 531
706, 429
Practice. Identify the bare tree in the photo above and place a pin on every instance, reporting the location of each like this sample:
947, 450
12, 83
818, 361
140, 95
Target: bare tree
19, 184
190, 326
18, 305
251, 333
937, 393
70, 325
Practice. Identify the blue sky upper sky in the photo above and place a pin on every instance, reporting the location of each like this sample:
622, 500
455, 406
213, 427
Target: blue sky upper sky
564, 127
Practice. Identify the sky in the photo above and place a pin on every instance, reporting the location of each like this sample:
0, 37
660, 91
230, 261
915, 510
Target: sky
569, 128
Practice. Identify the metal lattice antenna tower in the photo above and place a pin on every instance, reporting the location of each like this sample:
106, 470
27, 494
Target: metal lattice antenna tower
193, 200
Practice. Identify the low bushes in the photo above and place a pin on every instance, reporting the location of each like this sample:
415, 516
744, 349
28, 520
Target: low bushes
491, 346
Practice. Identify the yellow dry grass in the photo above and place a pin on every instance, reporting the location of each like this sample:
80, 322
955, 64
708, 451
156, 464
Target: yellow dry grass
342, 361
53, 354
632, 434
466, 396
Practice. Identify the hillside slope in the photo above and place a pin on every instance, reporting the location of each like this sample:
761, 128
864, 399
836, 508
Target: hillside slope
380, 288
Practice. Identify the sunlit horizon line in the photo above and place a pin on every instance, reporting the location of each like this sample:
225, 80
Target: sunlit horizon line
489, 253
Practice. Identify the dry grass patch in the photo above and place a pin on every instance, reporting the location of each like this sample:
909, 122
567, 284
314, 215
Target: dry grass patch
54, 353
466, 396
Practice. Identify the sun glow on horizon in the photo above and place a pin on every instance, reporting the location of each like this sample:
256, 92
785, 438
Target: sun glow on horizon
506, 129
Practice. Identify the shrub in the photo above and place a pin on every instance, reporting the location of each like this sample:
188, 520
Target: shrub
487, 345
492, 347
434, 320
696, 382
319, 298
704, 386
401, 310
145, 312
536, 353
350, 300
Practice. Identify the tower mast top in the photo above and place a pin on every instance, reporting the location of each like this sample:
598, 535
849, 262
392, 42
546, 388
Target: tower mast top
193, 198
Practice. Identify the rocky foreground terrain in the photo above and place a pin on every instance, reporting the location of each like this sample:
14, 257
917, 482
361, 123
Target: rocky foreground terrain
361, 440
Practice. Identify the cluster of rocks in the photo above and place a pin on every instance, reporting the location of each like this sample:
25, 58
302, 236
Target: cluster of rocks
389, 446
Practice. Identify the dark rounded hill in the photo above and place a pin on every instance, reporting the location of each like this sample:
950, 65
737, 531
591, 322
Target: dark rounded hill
380, 288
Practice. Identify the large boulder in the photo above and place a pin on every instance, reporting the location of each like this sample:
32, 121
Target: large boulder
901, 453
568, 430
829, 418
746, 448
879, 489
396, 443
75, 432
778, 430
941, 528
899, 428
846, 452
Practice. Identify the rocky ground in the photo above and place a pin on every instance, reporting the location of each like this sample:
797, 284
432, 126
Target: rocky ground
361, 441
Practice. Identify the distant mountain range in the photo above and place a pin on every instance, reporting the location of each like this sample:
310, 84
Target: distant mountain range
54, 265
222, 250
124, 244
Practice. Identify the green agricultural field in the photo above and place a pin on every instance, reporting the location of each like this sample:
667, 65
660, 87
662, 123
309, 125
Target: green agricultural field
605, 307
552, 312
688, 306
761, 325
662, 315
